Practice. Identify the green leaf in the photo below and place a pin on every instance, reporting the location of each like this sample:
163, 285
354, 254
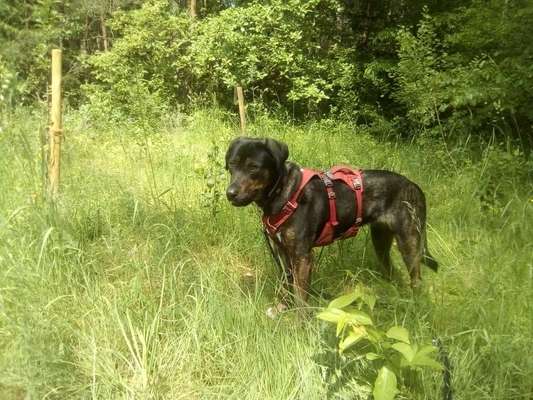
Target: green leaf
372, 356
385, 386
345, 300
341, 324
370, 300
423, 358
374, 335
425, 350
358, 317
398, 333
331, 315
425, 361
366, 295
405, 350
355, 335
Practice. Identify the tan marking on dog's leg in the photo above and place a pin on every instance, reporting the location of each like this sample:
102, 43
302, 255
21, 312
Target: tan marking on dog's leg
289, 235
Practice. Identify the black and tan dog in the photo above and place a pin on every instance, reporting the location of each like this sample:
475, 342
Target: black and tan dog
394, 207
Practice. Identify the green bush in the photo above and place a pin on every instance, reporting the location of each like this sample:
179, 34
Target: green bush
145, 73
468, 70
288, 52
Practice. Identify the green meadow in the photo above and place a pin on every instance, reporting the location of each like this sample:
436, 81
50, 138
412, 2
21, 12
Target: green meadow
142, 282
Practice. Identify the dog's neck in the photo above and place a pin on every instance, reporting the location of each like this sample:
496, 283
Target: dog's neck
287, 182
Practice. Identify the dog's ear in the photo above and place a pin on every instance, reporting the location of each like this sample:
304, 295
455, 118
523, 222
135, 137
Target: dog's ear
279, 151
231, 149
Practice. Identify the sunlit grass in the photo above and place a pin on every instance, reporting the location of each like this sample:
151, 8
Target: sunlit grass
133, 287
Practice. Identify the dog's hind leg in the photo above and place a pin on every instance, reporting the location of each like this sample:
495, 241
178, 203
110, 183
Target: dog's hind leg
410, 246
382, 241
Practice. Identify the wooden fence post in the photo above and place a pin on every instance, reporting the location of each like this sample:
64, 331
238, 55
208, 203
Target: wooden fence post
192, 8
242, 115
56, 131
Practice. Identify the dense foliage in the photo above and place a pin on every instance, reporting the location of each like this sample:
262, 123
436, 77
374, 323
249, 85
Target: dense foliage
145, 71
451, 67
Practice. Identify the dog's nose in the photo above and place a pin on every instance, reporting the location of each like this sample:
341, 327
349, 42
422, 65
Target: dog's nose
231, 193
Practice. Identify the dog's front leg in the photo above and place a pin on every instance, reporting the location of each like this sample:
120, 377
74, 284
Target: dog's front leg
285, 263
295, 252
298, 278
302, 267
299, 250
286, 267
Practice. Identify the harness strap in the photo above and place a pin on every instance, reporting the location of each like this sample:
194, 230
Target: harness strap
272, 223
358, 186
331, 199
354, 180
349, 176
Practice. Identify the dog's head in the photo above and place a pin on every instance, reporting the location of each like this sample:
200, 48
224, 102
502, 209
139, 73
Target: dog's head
255, 166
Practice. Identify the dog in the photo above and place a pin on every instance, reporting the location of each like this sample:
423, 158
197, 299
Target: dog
393, 206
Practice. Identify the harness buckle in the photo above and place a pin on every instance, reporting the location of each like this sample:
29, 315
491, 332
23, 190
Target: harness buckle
289, 207
270, 229
331, 194
358, 220
357, 183
326, 179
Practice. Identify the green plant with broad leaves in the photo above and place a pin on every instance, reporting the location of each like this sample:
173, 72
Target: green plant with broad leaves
214, 177
390, 351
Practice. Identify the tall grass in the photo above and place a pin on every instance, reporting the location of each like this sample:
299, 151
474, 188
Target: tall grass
142, 282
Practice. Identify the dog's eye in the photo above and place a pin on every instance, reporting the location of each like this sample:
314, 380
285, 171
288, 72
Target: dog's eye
253, 168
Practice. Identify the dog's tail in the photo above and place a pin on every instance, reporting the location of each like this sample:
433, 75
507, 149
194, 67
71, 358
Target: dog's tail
428, 259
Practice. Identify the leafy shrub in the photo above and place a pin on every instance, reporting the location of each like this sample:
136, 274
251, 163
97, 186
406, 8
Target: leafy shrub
392, 351
466, 69
417, 72
144, 73
214, 178
286, 52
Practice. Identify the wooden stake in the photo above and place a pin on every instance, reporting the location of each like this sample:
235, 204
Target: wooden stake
104, 32
55, 133
242, 115
192, 8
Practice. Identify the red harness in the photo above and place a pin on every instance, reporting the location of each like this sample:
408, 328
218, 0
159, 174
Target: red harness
351, 177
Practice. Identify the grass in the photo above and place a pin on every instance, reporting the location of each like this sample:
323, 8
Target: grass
142, 282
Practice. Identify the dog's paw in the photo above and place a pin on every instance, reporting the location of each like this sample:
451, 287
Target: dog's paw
273, 312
